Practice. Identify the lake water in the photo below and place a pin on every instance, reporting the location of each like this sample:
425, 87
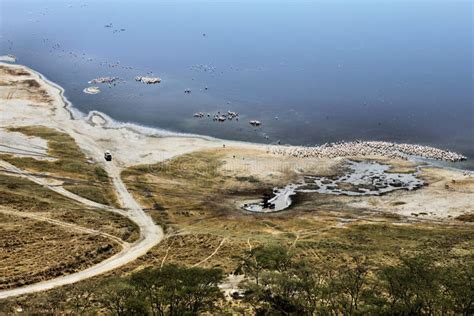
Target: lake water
310, 71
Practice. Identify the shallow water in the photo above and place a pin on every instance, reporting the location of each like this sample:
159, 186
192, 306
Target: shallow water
280, 201
397, 71
364, 178
361, 179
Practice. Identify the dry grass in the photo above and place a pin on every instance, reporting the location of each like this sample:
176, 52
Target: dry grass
83, 177
13, 71
28, 89
25, 196
32, 251
468, 217
194, 197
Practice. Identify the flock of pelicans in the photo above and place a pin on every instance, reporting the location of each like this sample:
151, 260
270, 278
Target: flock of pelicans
368, 148
148, 79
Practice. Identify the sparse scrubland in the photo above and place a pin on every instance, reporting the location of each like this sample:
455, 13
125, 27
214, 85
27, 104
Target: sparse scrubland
32, 250
338, 248
318, 258
197, 201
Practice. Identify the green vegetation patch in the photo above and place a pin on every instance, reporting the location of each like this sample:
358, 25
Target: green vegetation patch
171, 290
279, 283
189, 183
22, 194
383, 242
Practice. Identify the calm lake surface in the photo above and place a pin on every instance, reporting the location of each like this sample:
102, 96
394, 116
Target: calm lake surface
311, 71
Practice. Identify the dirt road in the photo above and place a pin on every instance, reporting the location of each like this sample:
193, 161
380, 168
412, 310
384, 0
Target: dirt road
150, 233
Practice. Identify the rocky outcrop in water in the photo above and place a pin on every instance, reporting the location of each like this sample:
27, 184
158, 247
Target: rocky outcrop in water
148, 80
108, 80
92, 90
255, 123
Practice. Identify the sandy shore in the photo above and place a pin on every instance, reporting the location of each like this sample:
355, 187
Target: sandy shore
132, 144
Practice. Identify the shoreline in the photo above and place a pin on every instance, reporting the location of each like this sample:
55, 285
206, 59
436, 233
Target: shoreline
111, 123
101, 120
76, 114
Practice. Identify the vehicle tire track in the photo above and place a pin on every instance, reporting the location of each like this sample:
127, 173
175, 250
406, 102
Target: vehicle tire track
72, 226
212, 254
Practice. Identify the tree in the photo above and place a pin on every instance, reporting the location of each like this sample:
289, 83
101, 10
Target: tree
120, 298
80, 297
283, 285
349, 287
148, 282
458, 283
174, 290
413, 286
270, 257
279, 284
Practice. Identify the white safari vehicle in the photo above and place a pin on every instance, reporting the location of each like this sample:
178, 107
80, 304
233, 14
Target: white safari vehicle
108, 155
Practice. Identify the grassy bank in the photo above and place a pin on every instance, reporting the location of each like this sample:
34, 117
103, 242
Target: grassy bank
82, 177
25, 196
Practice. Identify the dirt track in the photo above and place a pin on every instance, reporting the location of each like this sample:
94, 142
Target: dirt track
70, 226
150, 233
